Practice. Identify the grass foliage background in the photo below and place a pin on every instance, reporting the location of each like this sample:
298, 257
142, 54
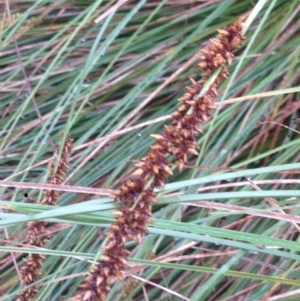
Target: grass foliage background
226, 227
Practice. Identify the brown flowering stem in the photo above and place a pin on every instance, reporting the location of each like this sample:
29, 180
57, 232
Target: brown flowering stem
37, 235
177, 141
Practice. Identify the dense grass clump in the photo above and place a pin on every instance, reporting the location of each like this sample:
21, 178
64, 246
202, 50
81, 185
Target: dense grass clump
203, 217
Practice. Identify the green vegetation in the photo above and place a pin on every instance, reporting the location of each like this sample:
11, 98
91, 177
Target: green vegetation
224, 228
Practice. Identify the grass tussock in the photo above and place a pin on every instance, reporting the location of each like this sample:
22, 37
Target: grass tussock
108, 74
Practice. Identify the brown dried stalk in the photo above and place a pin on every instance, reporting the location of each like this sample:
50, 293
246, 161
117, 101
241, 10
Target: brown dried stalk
37, 235
177, 140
